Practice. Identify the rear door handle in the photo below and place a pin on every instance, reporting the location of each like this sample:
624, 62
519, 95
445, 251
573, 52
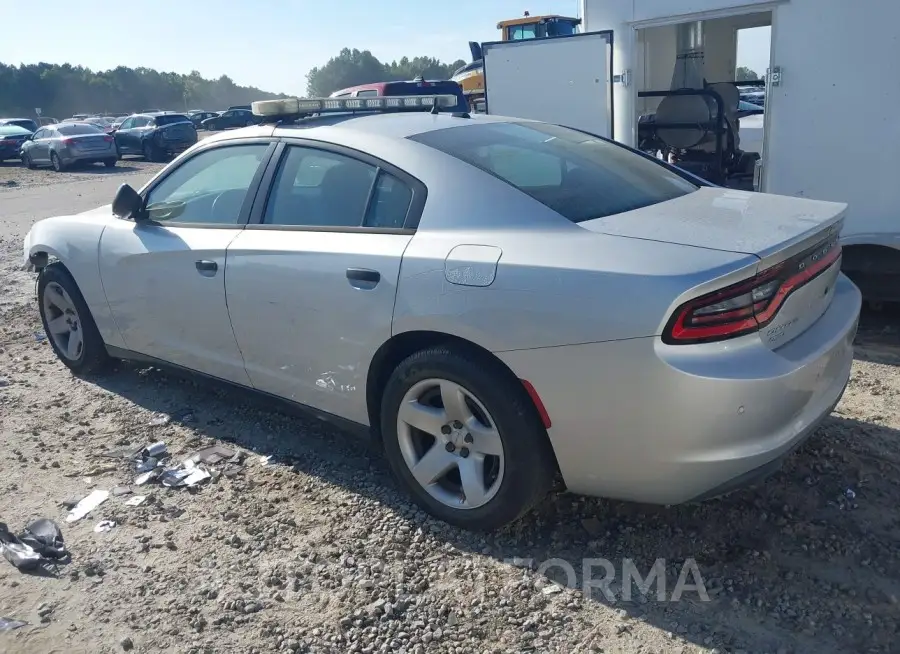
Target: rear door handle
368, 277
207, 267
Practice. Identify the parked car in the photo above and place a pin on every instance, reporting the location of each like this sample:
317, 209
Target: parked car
46, 120
11, 139
198, 117
154, 136
103, 122
228, 119
26, 123
597, 314
67, 144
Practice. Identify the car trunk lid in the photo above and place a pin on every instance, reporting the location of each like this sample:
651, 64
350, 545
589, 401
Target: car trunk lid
798, 236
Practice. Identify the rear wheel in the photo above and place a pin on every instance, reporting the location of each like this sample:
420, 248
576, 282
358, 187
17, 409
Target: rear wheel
462, 437
56, 162
110, 163
68, 323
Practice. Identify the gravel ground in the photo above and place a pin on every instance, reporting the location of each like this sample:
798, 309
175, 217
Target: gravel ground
317, 551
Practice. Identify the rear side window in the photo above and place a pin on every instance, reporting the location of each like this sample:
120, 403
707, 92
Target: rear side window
579, 176
168, 119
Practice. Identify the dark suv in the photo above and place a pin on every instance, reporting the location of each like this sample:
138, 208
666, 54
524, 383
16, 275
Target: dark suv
230, 118
155, 136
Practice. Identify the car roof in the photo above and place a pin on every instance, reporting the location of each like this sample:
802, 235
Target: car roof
401, 124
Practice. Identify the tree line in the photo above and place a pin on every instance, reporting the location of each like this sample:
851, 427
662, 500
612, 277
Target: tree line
61, 90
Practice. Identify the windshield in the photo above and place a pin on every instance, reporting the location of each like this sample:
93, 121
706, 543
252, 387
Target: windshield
578, 175
168, 119
77, 130
25, 123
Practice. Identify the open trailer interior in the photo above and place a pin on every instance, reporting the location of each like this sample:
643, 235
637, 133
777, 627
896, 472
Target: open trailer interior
659, 75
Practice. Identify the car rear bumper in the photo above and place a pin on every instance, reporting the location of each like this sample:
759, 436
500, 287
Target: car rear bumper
648, 422
70, 156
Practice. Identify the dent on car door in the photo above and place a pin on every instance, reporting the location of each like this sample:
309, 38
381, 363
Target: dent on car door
311, 281
165, 277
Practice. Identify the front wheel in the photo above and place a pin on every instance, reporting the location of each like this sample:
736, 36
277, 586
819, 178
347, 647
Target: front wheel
462, 436
68, 323
147, 150
210, 127
56, 162
110, 163
27, 162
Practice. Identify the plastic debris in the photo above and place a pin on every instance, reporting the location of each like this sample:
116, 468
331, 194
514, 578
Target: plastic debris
173, 476
87, 505
195, 477
104, 525
161, 420
8, 624
147, 464
39, 542
212, 455
137, 500
150, 475
155, 450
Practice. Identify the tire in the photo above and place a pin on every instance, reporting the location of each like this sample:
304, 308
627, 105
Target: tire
210, 127
110, 163
511, 483
88, 356
56, 162
147, 150
27, 162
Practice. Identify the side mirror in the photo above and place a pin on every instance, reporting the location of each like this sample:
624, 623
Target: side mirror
128, 203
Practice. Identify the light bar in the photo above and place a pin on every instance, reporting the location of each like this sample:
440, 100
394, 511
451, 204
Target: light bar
295, 106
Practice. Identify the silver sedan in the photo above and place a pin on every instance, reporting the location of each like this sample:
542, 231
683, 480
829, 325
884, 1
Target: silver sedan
66, 144
500, 301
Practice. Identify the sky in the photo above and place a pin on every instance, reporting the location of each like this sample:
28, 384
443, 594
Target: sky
270, 44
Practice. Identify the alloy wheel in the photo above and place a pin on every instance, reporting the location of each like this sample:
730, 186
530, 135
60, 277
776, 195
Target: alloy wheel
450, 444
63, 322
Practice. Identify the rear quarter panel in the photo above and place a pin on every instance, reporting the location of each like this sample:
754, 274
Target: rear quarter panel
74, 242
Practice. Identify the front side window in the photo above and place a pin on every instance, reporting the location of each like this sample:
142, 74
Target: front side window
128, 123
578, 175
317, 188
208, 188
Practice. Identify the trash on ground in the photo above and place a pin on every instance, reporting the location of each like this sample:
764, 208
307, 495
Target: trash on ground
150, 475
137, 500
121, 490
160, 420
173, 476
45, 537
147, 464
196, 475
212, 455
104, 525
39, 542
87, 505
155, 450
8, 624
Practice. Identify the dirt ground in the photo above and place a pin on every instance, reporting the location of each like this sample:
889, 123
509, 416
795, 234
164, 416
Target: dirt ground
316, 550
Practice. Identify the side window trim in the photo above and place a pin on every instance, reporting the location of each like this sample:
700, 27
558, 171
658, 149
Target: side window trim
266, 186
252, 191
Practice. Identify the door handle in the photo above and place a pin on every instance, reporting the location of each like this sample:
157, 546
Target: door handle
207, 267
363, 275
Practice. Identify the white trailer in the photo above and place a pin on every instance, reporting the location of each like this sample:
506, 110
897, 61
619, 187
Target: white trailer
830, 130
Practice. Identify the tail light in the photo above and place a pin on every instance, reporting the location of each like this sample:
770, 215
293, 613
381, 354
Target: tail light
68, 142
750, 305
7, 142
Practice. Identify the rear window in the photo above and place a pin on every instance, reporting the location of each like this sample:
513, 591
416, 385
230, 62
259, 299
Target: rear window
13, 130
75, 130
579, 176
168, 119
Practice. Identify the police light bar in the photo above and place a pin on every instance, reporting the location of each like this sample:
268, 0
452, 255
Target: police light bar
297, 106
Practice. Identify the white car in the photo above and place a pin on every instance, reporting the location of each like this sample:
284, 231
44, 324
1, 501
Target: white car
501, 300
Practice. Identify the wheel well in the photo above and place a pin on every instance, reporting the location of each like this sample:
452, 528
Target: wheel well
398, 347
871, 259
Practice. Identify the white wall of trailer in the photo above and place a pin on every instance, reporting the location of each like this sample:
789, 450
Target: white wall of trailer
833, 121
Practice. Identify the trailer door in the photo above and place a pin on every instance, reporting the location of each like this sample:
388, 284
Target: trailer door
565, 80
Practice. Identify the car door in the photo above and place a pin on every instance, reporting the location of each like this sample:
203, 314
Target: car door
164, 277
34, 148
312, 279
123, 134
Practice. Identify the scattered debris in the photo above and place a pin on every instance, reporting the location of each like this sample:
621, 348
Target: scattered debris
147, 464
212, 455
150, 475
39, 542
156, 450
104, 525
8, 624
121, 490
137, 500
87, 505
161, 420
